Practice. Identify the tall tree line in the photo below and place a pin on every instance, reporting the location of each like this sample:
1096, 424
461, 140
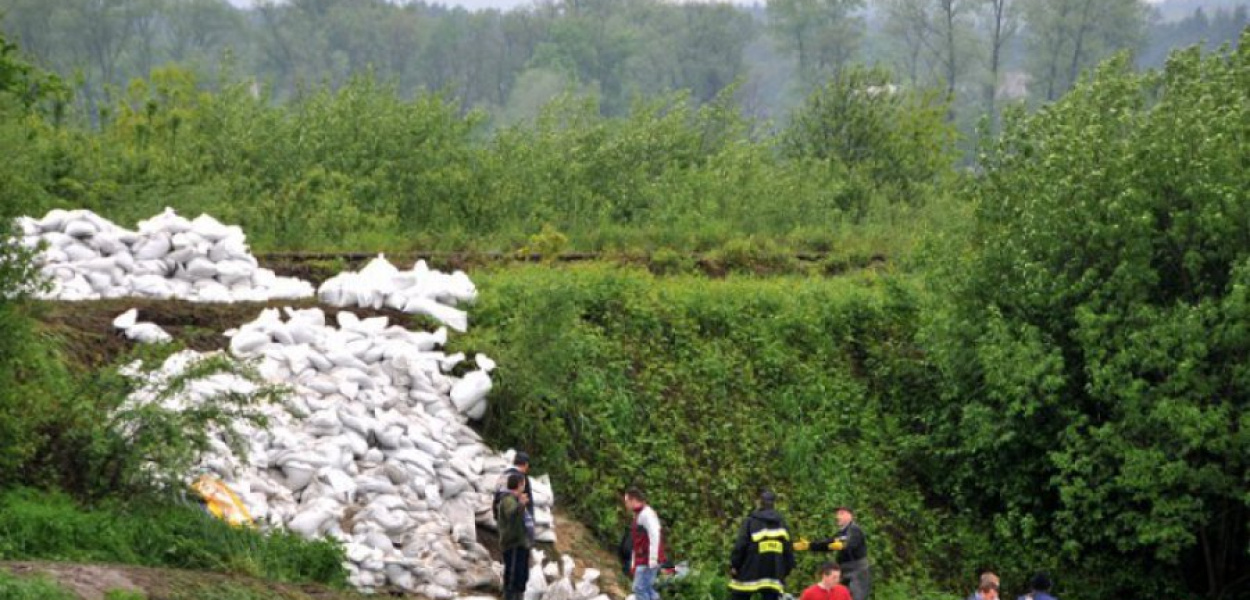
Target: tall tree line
979, 52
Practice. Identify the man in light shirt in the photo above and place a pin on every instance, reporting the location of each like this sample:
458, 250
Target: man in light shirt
648, 545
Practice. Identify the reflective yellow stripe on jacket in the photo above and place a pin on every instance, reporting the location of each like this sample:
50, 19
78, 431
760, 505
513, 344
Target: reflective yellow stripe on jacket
770, 533
757, 585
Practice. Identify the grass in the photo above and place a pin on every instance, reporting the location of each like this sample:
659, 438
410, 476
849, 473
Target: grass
30, 588
49, 526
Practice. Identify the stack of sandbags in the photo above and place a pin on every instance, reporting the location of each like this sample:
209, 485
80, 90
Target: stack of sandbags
419, 291
88, 257
369, 448
555, 580
142, 332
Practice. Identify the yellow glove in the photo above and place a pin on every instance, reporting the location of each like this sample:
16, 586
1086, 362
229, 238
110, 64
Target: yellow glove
802, 545
837, 545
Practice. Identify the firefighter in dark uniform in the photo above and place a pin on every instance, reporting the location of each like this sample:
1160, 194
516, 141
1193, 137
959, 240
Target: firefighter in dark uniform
762, 554
852, 553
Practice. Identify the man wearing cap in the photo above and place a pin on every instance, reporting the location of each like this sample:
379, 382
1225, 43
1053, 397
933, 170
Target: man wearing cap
762, 554
520, 465
852, 549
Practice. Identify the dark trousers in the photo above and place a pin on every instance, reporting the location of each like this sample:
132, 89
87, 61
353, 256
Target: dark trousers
764, 595
516, 572
858, 581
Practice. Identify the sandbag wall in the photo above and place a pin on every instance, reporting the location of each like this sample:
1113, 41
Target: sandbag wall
88, 257
372, 446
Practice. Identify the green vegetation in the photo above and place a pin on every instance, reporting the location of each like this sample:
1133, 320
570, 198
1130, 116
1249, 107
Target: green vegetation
14, 588
1062, 387
361, 168
1056, 379
49, 526
704, 391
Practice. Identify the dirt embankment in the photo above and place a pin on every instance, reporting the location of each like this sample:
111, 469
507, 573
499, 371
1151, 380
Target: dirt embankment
96, 582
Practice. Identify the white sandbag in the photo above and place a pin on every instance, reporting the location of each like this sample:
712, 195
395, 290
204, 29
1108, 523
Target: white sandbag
148, 333
470, 390
231, 271
77, 252
80, 229
54, 220
248, 343
452, 317
151, 248
209, 228
126, 319
200, 268
313, 520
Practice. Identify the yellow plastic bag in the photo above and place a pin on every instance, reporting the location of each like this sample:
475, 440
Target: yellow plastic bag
222, 502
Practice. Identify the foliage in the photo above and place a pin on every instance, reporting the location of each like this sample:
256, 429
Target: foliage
362, 168
876, 135
703, 391
50, 526
21, 588
1091, 328
84, 433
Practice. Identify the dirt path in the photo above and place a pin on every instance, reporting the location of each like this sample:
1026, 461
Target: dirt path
576, 540
95, 582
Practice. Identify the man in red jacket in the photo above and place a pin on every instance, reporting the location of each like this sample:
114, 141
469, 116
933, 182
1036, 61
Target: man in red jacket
648, 545
829, 587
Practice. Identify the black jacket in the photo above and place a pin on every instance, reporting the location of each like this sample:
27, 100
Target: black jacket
762, 554
855, 545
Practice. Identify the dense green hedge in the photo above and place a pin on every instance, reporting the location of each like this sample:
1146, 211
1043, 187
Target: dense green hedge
703, 392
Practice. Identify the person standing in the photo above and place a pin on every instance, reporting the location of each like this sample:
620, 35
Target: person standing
648, 545
521, 466
513, 537
852, 553
762, 554
1039, 587
830, 585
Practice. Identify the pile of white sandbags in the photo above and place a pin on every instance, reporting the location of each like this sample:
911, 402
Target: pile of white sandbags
369, 448
555, 581
419, 291
142, 332
88, 257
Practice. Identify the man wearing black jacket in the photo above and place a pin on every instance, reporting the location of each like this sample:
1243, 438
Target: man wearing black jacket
852, 549
762, 554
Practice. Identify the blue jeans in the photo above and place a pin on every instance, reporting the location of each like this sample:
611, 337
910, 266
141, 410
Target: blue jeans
644, 583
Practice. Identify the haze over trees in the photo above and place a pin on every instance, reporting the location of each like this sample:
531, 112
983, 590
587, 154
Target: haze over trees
984, 53
1024, 348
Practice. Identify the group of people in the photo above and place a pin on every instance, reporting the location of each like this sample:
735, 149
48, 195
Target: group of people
763, 556
763, 553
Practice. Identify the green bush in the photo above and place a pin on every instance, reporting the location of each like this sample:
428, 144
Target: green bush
37, 525
361, 167
30, 588
1091, 330
703, 391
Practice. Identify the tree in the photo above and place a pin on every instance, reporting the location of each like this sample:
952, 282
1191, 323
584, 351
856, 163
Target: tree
1092, 332
1066, 36
939, 31
824, 34
1000, 19
907, 21
859, 122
